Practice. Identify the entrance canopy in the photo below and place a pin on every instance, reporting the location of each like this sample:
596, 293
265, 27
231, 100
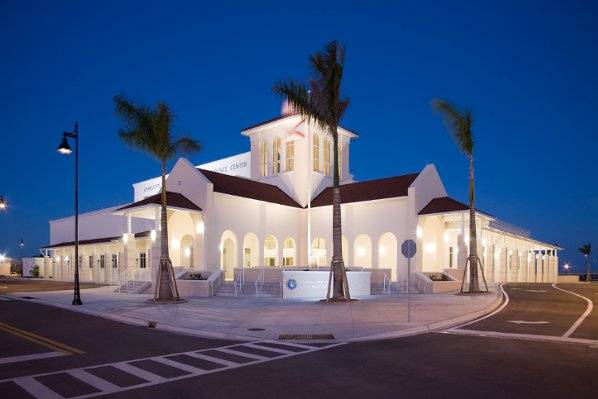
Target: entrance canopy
146, 208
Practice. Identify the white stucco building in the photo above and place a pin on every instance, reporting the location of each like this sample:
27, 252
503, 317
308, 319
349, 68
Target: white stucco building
271, 207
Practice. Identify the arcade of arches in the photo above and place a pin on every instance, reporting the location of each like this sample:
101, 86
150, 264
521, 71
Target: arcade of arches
363, 251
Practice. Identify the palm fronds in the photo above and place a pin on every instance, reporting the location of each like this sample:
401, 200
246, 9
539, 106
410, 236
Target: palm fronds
459, 123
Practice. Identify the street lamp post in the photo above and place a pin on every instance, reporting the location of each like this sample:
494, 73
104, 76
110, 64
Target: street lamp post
65, 149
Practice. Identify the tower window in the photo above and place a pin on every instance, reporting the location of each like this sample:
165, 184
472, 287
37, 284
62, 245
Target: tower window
276, 155
290, 155
316, 153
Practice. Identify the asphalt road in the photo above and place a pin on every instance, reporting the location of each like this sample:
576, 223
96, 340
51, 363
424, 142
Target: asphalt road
15, 284
542, 309
139, 362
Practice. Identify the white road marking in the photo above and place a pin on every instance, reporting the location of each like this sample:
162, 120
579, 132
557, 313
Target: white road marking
3, 298
94, 381
38, 390
249, 355
535, 290
212, 359
34, 356
504, 305
146, 375
269, 348
527, 337
583, 316
528, 322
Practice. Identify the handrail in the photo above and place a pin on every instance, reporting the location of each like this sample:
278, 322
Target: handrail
260, 277
241, 280
385, 288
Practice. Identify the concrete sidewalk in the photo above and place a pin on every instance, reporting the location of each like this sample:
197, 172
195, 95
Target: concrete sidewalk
375, 317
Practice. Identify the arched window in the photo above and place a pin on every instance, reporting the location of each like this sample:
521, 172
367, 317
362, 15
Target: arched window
318, 252
270, 251
316, 153
288, 252
263, 158
276, 155
327, 156
290, 155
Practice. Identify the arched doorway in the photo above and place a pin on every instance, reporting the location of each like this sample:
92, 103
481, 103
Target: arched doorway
186, 250
288, 252
270, 251
362, 252
431, 242
387, 254
345, 247
318, 252
251, 250
228, 254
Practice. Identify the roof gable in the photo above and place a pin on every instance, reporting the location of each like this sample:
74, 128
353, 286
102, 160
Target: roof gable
390, 187
173, 199
242, 187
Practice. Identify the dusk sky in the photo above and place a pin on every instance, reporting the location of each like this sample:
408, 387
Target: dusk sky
528, 70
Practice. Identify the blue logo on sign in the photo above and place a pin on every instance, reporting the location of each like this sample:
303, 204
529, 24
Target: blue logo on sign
291, 283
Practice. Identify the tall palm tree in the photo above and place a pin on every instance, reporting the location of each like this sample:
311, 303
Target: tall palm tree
320, 102
459, 122
586, 250
150, 130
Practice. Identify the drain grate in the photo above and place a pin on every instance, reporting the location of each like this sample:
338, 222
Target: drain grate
305, 337
256, 329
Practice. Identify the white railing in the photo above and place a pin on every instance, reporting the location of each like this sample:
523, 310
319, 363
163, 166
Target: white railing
259, 282
240, 280
386, 284
133, 280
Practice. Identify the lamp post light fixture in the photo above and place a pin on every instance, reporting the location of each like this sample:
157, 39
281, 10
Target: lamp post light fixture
2, 203
65, 148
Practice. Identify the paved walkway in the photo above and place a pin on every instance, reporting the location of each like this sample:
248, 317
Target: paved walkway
373, 317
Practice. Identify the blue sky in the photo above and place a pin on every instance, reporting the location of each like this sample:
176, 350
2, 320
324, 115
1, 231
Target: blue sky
528, 72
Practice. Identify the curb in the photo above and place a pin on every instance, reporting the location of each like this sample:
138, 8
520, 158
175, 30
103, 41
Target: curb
427, 328
436, 326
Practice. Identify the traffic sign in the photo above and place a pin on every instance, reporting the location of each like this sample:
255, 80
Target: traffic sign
408, 249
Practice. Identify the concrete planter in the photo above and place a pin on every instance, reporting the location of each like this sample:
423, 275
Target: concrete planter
200, 288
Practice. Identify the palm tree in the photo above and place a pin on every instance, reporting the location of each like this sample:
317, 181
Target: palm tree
586, 250
459, 122
320, 102
150, 130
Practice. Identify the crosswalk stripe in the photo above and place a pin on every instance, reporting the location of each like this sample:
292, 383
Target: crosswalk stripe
39, 390
213, 359
94, 381
178, 365
36, 388
244, 354
292, 344
269, 348
146, 375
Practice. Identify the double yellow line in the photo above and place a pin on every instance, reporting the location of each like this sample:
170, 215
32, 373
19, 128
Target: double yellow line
38, 339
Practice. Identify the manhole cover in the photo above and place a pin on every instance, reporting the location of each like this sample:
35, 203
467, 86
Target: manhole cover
256, 329
305, 337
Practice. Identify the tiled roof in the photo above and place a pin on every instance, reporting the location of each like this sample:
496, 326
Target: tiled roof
246, 188
173, 199
446, 204
390, 187
95, 240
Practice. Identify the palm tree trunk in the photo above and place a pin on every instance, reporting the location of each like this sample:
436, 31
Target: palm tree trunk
166, 284
474, 285
340, 286
588, 273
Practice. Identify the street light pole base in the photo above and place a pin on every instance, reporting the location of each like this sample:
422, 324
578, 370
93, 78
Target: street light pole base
77, 301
